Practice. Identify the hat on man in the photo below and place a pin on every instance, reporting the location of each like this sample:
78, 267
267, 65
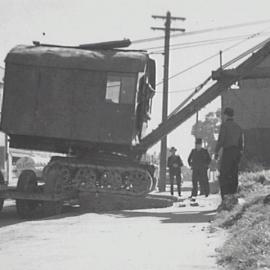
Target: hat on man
228, 111
198, 141
173, 149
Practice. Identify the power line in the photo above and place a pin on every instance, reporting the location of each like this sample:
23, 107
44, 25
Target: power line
214, 55
199, 41
190, 67
198, 44
190, 46
202, 31
197, 89
244, 54
247, 52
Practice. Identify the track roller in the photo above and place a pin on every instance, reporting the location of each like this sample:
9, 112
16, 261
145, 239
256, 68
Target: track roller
141, 181
86, 177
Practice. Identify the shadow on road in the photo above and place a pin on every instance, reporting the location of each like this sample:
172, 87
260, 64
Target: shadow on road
171, 217
164, 217
9, 216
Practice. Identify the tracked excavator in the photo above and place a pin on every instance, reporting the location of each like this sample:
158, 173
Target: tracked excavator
90, 104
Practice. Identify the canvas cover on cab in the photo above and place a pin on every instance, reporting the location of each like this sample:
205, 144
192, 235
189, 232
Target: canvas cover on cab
59, 93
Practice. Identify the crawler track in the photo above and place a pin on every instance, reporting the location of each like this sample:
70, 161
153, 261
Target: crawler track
100, 175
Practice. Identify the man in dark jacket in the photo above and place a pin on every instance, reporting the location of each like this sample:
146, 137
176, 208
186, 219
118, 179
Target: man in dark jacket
174, 164
230, 139
199, 160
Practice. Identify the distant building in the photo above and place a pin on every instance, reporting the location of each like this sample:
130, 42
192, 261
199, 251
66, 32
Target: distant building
251, 103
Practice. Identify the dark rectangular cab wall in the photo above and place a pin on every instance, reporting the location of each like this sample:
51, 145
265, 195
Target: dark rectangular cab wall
57, 98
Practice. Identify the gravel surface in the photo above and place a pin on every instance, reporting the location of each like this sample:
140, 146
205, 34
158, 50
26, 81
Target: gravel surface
169, 238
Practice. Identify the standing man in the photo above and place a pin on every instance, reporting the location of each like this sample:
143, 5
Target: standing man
199, 160
175, 163
230, 139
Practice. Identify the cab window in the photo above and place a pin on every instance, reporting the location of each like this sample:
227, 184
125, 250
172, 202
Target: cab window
120, 88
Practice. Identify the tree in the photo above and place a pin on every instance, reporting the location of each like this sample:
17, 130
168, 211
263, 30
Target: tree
208, 130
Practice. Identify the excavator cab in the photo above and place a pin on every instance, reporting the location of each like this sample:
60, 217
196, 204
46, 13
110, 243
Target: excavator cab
72, 98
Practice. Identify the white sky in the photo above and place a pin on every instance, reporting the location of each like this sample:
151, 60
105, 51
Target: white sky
73, 22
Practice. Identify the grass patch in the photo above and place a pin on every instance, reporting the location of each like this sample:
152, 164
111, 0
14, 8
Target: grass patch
252, 182
248, 244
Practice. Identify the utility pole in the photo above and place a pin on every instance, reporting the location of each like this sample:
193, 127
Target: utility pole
163, 150
197, 128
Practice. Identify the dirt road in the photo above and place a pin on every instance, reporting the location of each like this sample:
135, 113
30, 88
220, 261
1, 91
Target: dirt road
168, 238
